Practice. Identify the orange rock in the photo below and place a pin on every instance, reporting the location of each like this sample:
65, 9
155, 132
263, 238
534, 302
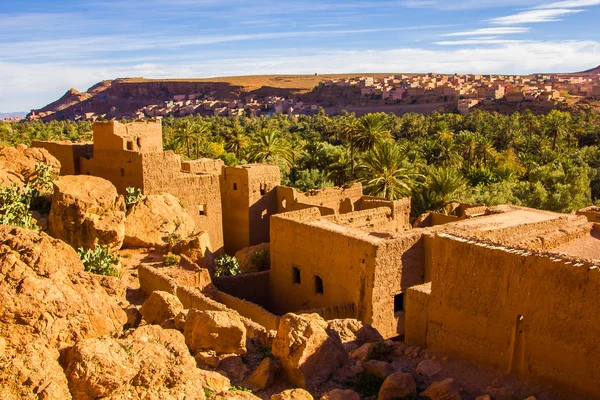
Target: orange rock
397, 385
264, 375
160, 306
443, 390
293, 394
220, 331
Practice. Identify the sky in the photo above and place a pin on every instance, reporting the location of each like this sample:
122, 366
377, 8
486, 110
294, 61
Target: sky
47, 47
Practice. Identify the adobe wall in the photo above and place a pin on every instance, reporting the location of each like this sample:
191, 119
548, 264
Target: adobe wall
68, 153
531, 314
140, 136
286, 202
343, 259
122, 169
416, 315
591, 213
334, 312
339, 199
249, 198
249, 310
203, 166
377, 214
253, 287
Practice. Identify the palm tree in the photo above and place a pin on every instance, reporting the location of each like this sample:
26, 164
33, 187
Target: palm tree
466, 145
236, 141
386, 172
268, 145
339, 170
444, 185
199, 134
184, 133
365, 133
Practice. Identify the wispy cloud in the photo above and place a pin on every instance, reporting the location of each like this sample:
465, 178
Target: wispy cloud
477, 41
571, 4
534, 16
490, 31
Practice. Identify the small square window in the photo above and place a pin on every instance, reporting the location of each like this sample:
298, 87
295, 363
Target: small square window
202, 209
263, 189
399, 303
122, 172
235, 186
296, 275
318, 285
129, 145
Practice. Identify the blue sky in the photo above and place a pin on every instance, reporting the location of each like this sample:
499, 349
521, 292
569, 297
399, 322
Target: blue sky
47, 47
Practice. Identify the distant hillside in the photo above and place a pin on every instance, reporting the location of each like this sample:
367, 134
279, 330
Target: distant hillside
592, 71
12, 115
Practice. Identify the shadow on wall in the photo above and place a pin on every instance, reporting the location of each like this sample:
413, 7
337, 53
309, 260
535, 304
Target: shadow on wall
259, 214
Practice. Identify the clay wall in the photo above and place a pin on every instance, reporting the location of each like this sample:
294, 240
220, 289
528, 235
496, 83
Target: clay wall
253, 287
286, 202
151, 279
68, 153
530, 314
344, 262
416, 315
249, 310
442, 219
339, 199
203, 166
139, 136
591, 213
122, 169
249, 198
334, 312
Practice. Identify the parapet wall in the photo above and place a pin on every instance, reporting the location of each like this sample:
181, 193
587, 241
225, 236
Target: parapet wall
253, 287
140, 136
531, 314
339, 199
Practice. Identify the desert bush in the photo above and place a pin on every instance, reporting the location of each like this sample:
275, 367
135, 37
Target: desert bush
15, 205
99, 260
261, 260
226, 266
171, 259
240, 389
132, 197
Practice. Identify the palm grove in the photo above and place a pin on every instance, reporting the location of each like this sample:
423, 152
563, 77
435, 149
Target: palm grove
549, 161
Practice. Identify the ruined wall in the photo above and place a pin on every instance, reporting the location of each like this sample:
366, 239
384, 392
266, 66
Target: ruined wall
249, 198
333, 312
140, 136
122, 169
416, 314
203, 166
253, 287
591, 213
533, 315
249, 310
400, 264
339, 199
68, 153
442, 219
344, 260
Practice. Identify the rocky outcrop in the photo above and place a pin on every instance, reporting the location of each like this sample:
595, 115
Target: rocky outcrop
352, 330
264, 375
160, 307
293, 394
254, 258
17, 164
197, 248
397, 386
87, 211
443, 390
220, 331
149, 362
380, 369
308, 352
156, 220
48, 303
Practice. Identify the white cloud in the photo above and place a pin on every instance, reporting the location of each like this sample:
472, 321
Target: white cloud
571, 4
473, 41
490, 31
27, 86
534, 16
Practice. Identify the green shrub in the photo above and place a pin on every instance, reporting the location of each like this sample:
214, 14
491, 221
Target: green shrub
99, 260
240, 389
208, 394
171, 259
42, 178
132, 197
261, 260
15, 205
226, 266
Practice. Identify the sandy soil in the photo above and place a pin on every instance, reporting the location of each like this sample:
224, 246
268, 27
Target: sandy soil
587, 247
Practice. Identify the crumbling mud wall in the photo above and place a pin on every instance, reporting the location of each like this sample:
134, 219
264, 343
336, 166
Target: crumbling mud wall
416, 306
249, 198
531, 314
68, 153
140, 136
340, 200
203, 166
249, 310
253, 287
334, 312
591, 213
307, 274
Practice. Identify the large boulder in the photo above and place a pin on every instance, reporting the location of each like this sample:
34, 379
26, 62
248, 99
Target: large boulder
149, 362
264, 375
308, 352
87, 211
47, 303
156, 220
254, 258
235, 395
160, 307
397, 386
220, 331
353, 330
340, 394
17, 164
292, 394
442, 390
197, 248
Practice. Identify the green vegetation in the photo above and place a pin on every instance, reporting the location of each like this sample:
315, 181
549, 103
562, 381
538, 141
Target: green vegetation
132, 197
261, 260
240, 389
99, 260
17, 202
226, 266
171, 259
547, 161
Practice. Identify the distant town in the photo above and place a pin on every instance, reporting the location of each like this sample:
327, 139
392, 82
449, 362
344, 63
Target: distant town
399, 94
